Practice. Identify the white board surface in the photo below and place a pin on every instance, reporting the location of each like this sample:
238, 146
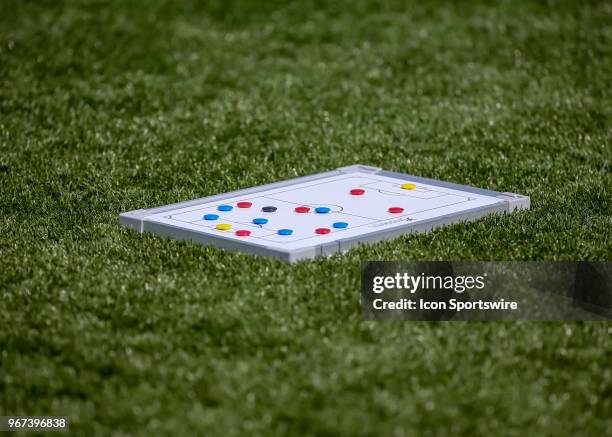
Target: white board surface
365, 214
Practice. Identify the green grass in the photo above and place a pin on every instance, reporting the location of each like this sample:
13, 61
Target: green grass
107, 107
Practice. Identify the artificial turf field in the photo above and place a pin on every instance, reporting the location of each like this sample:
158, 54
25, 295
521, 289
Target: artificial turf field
112, 106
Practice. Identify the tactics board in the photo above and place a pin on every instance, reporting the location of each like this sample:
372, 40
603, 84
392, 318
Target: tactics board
323, 213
